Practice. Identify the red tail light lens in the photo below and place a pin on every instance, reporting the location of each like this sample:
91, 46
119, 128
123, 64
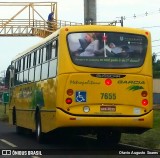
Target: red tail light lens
144, 93
68, 100
146, 33
70, 92
144, 102
66, 29
108, 82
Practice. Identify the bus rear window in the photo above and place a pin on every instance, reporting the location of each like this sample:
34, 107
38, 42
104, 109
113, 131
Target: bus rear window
107, 49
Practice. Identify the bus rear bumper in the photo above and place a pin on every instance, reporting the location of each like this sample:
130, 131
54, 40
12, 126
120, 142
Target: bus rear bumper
65, 120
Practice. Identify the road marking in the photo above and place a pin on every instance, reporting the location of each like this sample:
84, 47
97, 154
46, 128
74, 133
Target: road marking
8, 143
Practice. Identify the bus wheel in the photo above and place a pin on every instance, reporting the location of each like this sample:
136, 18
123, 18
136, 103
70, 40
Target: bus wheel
109, 137
14, 116
19, 130
39, 134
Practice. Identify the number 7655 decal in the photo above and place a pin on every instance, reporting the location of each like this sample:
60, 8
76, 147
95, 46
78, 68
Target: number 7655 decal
108, 96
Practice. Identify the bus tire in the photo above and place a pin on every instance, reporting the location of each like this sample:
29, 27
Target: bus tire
19, 130
39, 134
115, 137
14, 116
109, 137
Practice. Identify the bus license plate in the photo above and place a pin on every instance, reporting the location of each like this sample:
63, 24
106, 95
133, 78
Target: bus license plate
108, 108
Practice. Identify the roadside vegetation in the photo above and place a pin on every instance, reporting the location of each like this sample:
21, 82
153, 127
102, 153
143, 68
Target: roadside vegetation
149, 139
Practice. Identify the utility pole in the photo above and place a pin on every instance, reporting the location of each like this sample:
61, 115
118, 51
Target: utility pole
90, 16
121, 21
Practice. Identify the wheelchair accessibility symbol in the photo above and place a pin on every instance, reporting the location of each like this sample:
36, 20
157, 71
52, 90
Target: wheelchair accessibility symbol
80, 96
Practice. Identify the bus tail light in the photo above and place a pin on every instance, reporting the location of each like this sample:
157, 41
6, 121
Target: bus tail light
147, 33
66, 29
68, 100
141, 119
144, 102
144, 93
70, 92
108, 81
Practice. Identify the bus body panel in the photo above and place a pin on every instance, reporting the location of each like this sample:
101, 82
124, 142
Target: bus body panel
65, 120
122, 97
102, 97
27, 97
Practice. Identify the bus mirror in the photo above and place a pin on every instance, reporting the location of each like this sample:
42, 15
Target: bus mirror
9, 76
11, 73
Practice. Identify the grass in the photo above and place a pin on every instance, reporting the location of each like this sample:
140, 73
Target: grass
149, 139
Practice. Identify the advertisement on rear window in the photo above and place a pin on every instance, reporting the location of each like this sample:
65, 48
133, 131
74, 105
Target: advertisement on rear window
107, 49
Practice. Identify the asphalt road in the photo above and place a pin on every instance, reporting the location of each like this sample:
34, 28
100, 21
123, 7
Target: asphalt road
73, 146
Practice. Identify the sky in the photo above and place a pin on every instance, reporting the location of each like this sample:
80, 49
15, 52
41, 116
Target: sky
137, 14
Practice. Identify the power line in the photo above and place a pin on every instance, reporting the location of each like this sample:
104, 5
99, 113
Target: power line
156, 46
157, 53
150, 27
156, 40
142, 15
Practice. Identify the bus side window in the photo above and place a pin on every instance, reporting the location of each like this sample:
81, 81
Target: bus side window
19, 65
38, 57
26, 62
44, 74
44, 71
32, 59
16, 73
38, 65
54, 49
19, 77
25, 76
37, 72
21, 71
31, 68
49, 51
25, 70
29, 60
31, 74
35, 58
53, 61
44, 54
52, 68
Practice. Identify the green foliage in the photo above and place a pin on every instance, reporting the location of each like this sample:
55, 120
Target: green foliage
149, 139
156, 66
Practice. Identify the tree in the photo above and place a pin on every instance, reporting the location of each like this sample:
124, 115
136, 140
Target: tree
156, 66
154, 56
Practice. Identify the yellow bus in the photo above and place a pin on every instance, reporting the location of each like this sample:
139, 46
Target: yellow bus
86, 79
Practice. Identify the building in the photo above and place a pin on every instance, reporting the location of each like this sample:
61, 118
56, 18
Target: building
156, 91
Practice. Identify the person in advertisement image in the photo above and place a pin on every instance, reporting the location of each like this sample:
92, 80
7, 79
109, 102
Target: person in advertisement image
92, 46
106, 49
